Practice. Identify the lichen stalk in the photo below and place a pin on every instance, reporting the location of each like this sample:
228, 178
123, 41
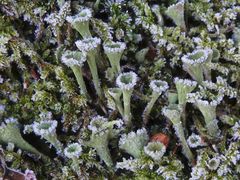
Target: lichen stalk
93, 68
126, 82
208, 110
83, 29
12, 134
100, 143
102, 131
184, 86
114, 51
185, 148
90, 47
173, 113
75, 60
114, 60
149, 107
116, 94
209, 114
157, 87
52, 139
80, 22
79, 76
127, 107
104, 152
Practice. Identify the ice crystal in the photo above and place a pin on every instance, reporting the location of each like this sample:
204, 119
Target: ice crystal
84, 15
114, 47
196, 57
134, 60
88, 44
73, 58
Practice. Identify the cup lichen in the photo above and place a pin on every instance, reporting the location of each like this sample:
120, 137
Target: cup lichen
189, 53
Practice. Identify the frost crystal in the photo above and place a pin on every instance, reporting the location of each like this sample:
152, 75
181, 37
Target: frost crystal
83, 16
88, 44
128, 164
185, 82
196, 57
221, 86
10, 146
2, 108
114, 47
1, 79
223, 170
236, 131
57, 19
71, 58
200, 99
29, 175
11, 120
45, 115
197, 173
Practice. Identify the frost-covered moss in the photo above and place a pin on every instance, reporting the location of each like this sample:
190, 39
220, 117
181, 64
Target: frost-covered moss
187, 50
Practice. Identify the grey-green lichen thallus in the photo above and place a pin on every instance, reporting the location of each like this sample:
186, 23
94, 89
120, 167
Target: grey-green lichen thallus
90, 45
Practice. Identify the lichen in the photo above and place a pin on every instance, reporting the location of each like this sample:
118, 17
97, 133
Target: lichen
90, 83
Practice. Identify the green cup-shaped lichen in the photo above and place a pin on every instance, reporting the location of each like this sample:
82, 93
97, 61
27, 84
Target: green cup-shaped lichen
116, 94
73, 151
194, 63
134, 142
102, 132
10, 133
209, 114
114, 51
155, 150
176, 13
47, 130
157, 87
126, 82
207, 106
184, 86
173, 113
80, 22
90, 45
75, 60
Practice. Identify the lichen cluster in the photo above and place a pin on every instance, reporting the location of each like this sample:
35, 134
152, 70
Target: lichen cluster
114, 89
